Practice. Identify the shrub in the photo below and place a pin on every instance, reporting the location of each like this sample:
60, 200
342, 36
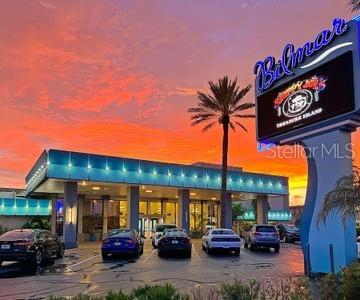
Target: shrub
352, 282
244, 290
211, 292
329, 287
158, 292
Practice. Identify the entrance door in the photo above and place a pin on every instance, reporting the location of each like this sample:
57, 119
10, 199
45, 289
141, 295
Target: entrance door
147, 225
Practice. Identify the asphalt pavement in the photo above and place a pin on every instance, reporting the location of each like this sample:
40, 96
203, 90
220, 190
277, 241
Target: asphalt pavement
83, 271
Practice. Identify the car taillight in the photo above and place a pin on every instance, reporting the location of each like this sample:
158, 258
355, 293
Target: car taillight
25, 245
105, 242
257, 234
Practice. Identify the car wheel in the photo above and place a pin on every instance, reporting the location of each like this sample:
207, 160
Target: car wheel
252, 247
208, 250
61, 251
1, 262
160, 254
237, 252
277, 249
246, 244
203, 247
188, 254
142, 250
104, 256
38, 260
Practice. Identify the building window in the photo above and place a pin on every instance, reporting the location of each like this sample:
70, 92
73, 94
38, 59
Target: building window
92, 216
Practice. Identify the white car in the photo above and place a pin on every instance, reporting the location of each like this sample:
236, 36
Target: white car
159, 231
221, 239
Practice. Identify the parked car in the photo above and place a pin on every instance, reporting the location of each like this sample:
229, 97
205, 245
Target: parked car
221, 239
358, 247
174, 241
263, 236
289, 233
122, 242
158, 232
30, 245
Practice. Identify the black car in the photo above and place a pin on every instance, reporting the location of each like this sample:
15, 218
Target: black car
31, 245
174, 241
289, 233
121, 242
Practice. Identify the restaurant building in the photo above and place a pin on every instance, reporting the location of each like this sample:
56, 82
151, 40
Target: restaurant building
85, 195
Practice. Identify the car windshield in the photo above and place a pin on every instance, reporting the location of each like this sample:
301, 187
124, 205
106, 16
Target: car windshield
175, 233
161, 228
120, 233
18, 235
223, 232
265, 228
291, 228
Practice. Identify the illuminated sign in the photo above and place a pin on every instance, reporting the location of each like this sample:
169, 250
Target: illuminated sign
314, 96
268, 71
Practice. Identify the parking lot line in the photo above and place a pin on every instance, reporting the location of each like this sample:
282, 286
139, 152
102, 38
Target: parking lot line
149, 256
243, 252
195, 252
84, 261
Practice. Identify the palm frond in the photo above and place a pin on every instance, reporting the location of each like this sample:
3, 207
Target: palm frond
242, 107
354, 5
240, 95
344, 199
223, 102
208, 126
245, 116
241, 126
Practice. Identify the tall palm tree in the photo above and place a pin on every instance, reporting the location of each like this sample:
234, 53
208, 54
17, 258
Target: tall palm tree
344, 198
222, 106
354, 5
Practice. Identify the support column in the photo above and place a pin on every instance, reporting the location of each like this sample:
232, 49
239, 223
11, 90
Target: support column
80, 214
105, 201
70, 215
327, 247
183, 215
262, 209
133, 198
53, 215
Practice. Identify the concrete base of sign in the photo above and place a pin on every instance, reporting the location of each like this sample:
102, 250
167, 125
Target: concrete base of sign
331, 246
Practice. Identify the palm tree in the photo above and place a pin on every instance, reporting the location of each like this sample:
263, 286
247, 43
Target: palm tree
222, 106
344, 198
354, 5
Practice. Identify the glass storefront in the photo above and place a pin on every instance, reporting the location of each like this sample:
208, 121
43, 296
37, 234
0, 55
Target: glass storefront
203, 215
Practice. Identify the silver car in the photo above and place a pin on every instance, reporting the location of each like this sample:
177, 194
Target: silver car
264, 235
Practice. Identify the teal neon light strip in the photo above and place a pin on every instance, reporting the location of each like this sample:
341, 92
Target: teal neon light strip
98, 168
272, 216
25, 207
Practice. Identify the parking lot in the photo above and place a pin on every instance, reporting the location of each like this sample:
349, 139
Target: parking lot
83, 271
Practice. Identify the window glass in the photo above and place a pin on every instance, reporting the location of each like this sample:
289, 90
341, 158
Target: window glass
18, 235
155, 207
92, 216
223, 232
265, 228
120, 233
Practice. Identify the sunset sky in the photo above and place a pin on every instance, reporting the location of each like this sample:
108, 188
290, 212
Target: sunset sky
117, 77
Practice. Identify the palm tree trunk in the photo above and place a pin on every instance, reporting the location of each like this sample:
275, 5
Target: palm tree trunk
223, 197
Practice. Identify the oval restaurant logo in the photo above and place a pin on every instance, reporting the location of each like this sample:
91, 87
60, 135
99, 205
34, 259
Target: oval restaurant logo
296, 100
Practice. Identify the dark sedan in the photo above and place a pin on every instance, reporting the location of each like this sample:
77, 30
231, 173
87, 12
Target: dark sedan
31, 245
122, 242
289, 233
174, 241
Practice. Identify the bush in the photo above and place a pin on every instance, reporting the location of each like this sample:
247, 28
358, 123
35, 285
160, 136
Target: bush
352, 282
329, 287
158, 292
244, 290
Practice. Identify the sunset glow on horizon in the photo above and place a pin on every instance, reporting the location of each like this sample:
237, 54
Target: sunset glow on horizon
117, 77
